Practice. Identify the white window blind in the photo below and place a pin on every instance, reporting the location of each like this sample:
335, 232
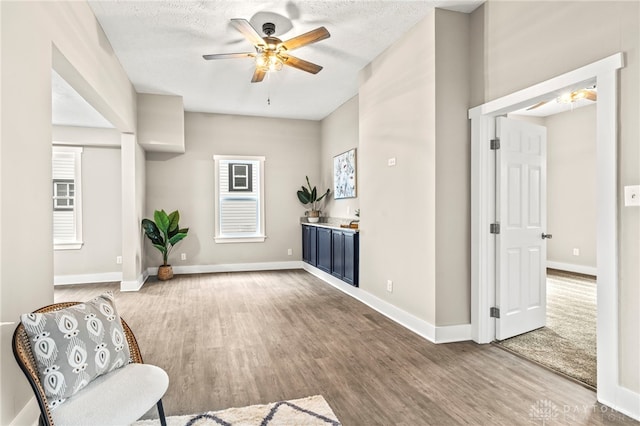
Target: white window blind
66, 205
239, 211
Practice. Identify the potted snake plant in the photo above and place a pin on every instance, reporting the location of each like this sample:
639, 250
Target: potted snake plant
309, 195
164, 233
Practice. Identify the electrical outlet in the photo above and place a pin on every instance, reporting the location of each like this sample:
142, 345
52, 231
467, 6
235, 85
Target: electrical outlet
289, 252
119, 260
576, 252
389, 286
183, 256
391, 162
632, 195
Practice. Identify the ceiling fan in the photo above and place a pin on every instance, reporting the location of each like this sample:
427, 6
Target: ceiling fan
271, 52
588, 93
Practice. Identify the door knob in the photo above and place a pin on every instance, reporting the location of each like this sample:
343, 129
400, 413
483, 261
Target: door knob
549, 236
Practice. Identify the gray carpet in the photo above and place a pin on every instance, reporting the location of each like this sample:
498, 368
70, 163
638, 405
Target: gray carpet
568, 343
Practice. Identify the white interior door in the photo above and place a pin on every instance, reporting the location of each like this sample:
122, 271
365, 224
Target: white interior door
521, 199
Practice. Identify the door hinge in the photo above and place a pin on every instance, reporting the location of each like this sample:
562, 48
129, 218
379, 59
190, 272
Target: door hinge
494, 312
494, 228
495, 144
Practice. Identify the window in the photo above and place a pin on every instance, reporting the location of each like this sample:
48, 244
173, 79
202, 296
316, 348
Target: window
240, 177
67, 201
63, 194
239, 203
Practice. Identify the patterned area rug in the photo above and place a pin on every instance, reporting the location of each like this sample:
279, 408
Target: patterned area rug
568, 343
311, 411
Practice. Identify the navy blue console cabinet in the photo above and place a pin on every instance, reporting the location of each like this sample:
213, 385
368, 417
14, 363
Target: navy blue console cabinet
332, 250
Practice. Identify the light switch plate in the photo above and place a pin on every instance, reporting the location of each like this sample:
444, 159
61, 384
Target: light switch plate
632, 195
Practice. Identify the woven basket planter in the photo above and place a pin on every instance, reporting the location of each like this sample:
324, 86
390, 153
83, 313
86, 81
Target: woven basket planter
165, 273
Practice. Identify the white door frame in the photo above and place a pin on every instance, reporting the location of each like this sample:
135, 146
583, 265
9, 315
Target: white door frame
605, 74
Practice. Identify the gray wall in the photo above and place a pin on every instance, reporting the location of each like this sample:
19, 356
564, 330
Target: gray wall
102, 217
571, 187
519, 54
47, 31
397, 120
339, 134
186, 182
415, 215
453, 157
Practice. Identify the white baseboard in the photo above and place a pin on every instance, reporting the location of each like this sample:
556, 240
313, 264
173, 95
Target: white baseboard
446, 334
103, 277
569, 267
623, 400
134, 285
230, 267
29, 415
453, 333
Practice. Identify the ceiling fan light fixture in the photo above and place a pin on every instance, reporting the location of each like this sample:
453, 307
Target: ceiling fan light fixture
268, 61
566, 98
576, 95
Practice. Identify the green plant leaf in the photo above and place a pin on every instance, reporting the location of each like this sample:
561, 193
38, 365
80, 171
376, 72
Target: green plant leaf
174, 218
162, 221
303, 197
179, 236
324, 195
161, 247
152, 232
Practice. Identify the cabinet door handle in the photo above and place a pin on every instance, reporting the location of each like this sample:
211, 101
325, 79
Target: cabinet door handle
546, 236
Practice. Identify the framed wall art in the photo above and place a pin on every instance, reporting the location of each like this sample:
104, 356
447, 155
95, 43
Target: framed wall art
344, 175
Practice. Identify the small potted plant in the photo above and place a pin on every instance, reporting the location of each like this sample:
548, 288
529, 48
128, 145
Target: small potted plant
308, 195
164, 233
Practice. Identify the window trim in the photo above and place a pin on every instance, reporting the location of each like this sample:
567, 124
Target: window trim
77, 208
261, 236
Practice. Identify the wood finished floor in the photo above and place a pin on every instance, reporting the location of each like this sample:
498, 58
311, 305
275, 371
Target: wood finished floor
236, 339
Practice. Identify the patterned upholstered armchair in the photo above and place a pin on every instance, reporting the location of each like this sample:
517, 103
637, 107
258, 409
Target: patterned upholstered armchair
119, 397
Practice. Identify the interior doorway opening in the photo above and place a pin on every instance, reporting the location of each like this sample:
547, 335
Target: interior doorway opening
567, 342
604, 73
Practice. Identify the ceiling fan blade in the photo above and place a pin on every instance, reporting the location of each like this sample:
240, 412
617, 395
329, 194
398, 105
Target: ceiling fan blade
248, 31
258, 75
301, 64
538, 105
229, 55
306, 38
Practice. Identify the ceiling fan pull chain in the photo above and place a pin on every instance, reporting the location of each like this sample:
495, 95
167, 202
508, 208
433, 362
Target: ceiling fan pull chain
268, 88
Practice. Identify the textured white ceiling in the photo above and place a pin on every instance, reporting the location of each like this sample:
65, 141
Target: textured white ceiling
160, 45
